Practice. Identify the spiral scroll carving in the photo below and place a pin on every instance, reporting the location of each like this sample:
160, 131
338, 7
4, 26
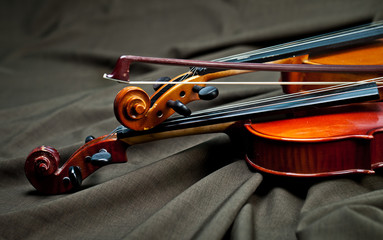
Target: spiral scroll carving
130, 105
41, 164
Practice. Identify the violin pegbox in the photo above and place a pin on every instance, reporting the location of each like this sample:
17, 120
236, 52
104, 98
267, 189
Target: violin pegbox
204, 93
43, 171
134, 109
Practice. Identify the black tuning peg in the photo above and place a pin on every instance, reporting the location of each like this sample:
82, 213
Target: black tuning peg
206, 93
101, 158
74, 177
159, 84
89, 138
179, 107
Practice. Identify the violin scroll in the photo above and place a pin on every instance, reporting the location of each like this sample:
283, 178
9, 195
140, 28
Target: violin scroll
43, 161
131, 103
42, 164
134, 110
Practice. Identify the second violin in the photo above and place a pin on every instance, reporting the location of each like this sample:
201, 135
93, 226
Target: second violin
43, 171
302, 63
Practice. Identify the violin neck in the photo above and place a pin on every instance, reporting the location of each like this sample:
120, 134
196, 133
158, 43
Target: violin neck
219, 119
132, 137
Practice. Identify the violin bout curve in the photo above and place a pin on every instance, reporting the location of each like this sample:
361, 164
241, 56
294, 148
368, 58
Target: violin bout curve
311, 159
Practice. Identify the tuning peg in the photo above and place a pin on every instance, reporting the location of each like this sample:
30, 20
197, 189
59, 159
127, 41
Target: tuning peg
89, 138
101, 158
158, 85
75, 177
179, 107
206, 93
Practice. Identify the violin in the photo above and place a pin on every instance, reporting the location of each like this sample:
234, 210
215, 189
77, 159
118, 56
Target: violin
309, 63
303, 155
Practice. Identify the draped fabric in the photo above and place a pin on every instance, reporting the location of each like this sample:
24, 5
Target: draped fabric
52, 58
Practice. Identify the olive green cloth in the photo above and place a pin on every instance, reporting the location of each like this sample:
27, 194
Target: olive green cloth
52, 58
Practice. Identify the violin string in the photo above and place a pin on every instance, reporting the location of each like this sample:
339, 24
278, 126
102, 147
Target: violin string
213, 112
232, 83
286, 96
281, 97
310, 40
322, 37
114, 131
328, 36
283, 46
137, 82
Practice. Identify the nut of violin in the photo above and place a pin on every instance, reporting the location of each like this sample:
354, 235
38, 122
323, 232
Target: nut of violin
131, 104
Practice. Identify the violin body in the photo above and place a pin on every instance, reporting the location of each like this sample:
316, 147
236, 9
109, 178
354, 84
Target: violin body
331, 141
366, 54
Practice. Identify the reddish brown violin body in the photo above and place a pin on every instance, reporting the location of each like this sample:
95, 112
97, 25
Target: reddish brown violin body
330, 141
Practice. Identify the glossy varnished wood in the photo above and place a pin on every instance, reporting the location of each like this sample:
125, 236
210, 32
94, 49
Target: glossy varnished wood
43, 171
159, 111
337, 140
151, 116
368, 54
